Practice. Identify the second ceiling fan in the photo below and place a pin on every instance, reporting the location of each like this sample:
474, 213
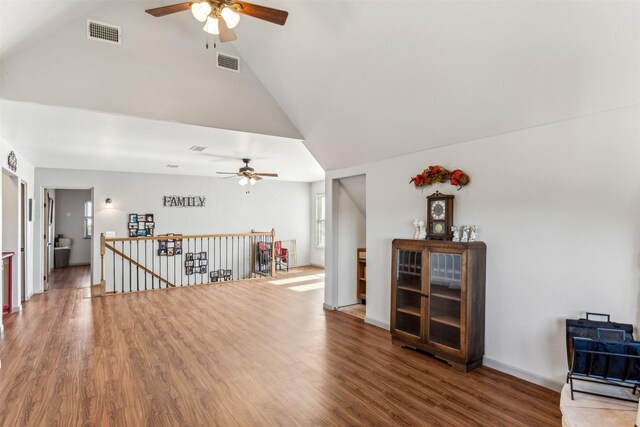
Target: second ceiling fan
220, 17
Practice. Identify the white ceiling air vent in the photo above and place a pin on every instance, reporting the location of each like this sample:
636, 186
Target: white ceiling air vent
103, 32
197, 148
228, 62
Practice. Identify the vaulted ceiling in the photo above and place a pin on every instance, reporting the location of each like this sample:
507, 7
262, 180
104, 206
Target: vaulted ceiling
358, 81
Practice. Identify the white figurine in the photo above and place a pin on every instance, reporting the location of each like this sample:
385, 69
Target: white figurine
456, 233
465, 233
423, 231
474, 233
416, 234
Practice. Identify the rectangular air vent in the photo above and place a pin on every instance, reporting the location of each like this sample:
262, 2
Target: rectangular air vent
197, 148
103, 32
172, 166
228, 62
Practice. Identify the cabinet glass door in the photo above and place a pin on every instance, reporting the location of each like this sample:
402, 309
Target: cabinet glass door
445, 292
408, 292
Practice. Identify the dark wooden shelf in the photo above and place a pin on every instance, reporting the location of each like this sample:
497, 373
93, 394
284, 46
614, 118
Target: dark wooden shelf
362, 296
361, 273
414, 311
409, 289
409, 273
450, 294
445, 318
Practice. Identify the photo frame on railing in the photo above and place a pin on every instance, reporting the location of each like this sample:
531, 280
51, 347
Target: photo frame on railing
196, 263
170, 246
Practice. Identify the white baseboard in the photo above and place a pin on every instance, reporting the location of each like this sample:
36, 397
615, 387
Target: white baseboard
1, 328
522, 374
316, 265
377, 323
328, 306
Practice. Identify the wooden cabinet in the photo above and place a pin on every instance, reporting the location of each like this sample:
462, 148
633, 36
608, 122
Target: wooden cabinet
361, 284
438, 297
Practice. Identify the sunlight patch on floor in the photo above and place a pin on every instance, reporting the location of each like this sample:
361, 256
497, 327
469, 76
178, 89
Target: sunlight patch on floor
309, 287
296, 279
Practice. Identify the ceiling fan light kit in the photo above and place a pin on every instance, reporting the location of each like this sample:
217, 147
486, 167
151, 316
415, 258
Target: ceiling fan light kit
247, 174
222, 16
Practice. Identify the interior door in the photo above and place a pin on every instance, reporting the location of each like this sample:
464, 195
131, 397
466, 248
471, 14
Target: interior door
45, 243
23, 240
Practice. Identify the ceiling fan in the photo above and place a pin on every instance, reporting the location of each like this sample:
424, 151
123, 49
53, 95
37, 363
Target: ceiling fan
247, 174
222, 16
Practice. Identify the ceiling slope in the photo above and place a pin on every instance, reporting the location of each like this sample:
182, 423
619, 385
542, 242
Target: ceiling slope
372, 80
161, 71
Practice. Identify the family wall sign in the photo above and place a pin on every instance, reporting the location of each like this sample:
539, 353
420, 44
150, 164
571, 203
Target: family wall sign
184, 201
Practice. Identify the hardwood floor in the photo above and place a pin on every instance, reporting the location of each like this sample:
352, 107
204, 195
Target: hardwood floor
70, 277
236, 354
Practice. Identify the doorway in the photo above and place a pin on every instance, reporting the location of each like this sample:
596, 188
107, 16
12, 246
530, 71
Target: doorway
23, 240
68, 241
11, 243
349, 198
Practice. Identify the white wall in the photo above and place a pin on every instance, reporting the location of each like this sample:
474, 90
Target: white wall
558, 207
69, 218
270, 204
351, 236
316, 253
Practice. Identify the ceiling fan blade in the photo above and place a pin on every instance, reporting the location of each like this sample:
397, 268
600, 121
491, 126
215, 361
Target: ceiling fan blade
275, 175
228, 173
168, 10
226, 33
256, 177
269, 14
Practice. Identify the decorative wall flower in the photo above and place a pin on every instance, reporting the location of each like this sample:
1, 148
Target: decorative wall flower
436, 174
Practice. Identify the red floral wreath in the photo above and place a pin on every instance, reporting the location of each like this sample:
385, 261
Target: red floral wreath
436, 174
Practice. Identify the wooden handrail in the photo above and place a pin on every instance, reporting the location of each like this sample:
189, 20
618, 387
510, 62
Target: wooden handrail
137, 264
108, 244
190, 236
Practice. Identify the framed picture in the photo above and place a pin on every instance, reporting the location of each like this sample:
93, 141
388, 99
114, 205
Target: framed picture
203, 255
142, 218
141, 226
163, 244
169, 251
203, 262
133, 233
150, 224
171, 244
203, 269
149, 217
162, 252
188, 263
189, 271
133, 225
149, 232
190, 256
196, 263
133, 217
177, 251
178, 243
142, 233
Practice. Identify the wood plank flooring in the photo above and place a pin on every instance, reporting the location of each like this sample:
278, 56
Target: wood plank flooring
78, 276
236, 354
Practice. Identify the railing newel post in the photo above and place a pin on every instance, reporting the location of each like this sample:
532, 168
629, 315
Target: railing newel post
273, 252
103, 285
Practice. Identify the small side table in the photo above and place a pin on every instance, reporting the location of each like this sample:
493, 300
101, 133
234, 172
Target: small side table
595, 411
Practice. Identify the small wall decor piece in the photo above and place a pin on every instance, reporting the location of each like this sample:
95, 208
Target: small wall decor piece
196, 263
171, 246
12, 161
141, 225
439, 174
184, 201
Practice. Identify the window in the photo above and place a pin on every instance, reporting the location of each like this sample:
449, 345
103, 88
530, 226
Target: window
88, 219
320, 220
